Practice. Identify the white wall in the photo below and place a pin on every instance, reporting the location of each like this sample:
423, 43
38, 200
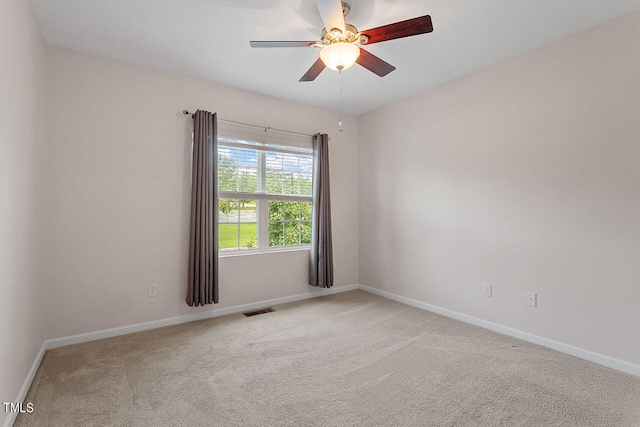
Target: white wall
523, 175
22, 111
118, 171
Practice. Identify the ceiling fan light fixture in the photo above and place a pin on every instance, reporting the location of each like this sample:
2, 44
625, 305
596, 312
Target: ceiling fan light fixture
339, 56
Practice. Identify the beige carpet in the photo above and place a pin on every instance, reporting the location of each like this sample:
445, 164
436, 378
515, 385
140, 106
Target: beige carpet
350, 359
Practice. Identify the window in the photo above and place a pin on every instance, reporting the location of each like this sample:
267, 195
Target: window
264, 193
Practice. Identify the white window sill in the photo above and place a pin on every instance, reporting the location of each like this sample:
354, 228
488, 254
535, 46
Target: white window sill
225, 254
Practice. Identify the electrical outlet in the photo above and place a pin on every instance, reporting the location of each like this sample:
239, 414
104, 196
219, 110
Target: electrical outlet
152, 290
486, 290
532, 299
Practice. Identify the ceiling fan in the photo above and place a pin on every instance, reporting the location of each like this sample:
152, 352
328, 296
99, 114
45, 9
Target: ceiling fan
340, 42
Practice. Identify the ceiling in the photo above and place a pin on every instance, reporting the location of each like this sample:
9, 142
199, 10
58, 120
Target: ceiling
209, 39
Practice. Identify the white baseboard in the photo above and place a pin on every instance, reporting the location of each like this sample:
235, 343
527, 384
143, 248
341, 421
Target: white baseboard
619, 365
22, 394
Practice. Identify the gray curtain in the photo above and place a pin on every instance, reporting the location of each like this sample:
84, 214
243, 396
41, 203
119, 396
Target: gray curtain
321, 265
203, 236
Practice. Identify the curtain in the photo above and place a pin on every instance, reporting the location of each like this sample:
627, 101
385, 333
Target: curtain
321, 263
203, 235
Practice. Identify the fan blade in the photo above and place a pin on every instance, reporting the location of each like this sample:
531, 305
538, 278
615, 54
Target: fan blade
374, 64
313, 72
281, 44
410, 27
332, 15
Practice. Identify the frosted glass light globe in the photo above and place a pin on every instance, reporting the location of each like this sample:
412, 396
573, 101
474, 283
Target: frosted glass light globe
339, 56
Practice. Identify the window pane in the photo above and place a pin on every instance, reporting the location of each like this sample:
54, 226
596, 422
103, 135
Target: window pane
247, 170
276, 234
291, 233
247, 158
227, 169
248, 180
248, 210
305, 233
290, 182
291, 211
228, 220
306, 186
306, 172
274, 181
248, 235
274, 173
228, 236
275, 211
305, 211
290, 174
228, 211
248, 224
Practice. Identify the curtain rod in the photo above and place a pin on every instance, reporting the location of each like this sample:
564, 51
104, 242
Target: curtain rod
266, 128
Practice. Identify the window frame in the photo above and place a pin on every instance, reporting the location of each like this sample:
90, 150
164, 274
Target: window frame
261, 197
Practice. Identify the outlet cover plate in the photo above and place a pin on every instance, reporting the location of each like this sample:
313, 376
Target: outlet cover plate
152, 290
486, 290
532, 299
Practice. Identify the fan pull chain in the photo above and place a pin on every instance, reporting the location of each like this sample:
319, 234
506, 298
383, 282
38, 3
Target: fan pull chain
341, 103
